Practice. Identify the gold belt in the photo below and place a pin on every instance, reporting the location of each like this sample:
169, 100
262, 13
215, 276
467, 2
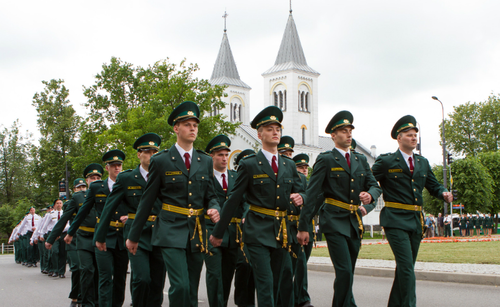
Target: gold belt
87, 229
277, 214
189, 213
207, 217
235, 220
293, 218
113, 223
350, 207
151, 218
414, 208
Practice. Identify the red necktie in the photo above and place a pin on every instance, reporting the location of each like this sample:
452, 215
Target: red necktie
411, 164
33, 221
274, 166
147, 177
58, 215
186, 161
347, 159
224, 183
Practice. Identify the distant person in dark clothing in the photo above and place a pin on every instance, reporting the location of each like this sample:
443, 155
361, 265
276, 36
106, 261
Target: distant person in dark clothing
440, 225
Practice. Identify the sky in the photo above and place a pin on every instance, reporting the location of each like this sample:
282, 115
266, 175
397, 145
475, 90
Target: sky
378, 59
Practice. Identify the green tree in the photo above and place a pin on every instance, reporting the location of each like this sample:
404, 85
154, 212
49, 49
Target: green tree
491, 160
127, 101
434, 205
474, 184
474, 127
58, 125
15, 177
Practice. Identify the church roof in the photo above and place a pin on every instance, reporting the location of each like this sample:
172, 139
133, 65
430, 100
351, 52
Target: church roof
225, 71
290, 56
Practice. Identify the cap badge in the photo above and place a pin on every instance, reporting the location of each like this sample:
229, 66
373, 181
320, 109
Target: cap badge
152, 143
287, 145
190, 113
115, 158
223, 143
346, 121
410, 124
273, 117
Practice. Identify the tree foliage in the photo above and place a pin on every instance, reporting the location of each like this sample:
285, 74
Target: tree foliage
474, 127
127, 101
58, 125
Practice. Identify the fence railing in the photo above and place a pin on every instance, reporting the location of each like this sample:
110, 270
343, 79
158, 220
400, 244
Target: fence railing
7, 249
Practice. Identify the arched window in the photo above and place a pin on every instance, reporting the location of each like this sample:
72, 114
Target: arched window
304, 98
281, 100
303, 135
306, 102
275, 99
279, 95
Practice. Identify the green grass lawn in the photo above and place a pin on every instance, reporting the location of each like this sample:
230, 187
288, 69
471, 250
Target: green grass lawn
467, 252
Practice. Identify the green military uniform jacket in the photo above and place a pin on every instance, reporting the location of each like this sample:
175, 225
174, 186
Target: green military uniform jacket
69, 213
128, 189
170, 181
91, 211
401, 186
229, 239
333, 177
262, 188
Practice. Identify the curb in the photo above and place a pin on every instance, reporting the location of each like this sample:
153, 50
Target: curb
477, 279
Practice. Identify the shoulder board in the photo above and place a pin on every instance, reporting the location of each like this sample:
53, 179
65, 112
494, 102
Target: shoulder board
325, 152
100, 180
201, 151
230, 171
249, 156
160, 152
127, 171
286, 157
386, 154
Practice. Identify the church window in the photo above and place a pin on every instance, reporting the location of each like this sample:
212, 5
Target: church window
306, 102
275, 99
303, 135
304, 98
281, 100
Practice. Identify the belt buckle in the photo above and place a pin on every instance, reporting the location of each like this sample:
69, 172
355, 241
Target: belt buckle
416, 208
191, 212
351, 207
153, 218
277, 214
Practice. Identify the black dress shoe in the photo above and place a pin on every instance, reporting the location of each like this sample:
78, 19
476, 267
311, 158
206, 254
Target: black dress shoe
52, 274
73, 304
61, 276
30, 265
34, 265
306, 304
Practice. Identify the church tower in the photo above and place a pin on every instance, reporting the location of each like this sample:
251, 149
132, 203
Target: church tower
225, 73
292, 86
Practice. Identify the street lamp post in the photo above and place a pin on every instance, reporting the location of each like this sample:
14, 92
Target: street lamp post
419, 139
443, 141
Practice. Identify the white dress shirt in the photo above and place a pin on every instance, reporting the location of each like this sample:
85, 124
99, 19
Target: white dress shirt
269, 157
218, 175
405, 156
343, 153
111, 183
182, 152
144, 173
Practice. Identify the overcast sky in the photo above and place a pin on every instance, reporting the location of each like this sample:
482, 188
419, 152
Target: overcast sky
379, 59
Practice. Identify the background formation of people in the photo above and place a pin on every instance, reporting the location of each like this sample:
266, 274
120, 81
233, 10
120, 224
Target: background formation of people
182, 207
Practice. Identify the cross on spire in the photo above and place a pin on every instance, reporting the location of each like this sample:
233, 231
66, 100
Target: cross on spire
225, 18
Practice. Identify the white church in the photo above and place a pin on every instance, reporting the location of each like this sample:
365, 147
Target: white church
290, 85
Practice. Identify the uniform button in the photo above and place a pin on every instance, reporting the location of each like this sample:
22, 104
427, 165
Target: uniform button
202, 177
352, 201
290, 202
277, 197
278, 186
152, 225
227, 197
117, 229
414, 190
352, 191
189, 205
197, 245
173, 179
416, 199
352, 180
189, 182
190, 194
262, 182
134, 193
412, 180
116, 212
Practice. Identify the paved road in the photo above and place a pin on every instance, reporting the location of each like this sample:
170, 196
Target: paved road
21, 286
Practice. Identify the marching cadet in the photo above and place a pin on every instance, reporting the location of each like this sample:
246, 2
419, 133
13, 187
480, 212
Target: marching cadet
28, 226
345, 179
286, 294
87, 292
39, 237
148, 269
112, 264
244, 286
300, 286
270, 182
15, 239
181, 177
57, 252
402, 176
221, 261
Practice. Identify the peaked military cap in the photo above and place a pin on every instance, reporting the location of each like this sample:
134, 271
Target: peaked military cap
286, 143
148, 140
184, 111
93, 169
243, 154
113, 156
217, 143
54, 202
341, 119
301, 159
78, 182
267, 116
404, 124
353, 144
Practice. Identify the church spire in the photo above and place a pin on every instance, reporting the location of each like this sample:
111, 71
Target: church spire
225, 71
290, 54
